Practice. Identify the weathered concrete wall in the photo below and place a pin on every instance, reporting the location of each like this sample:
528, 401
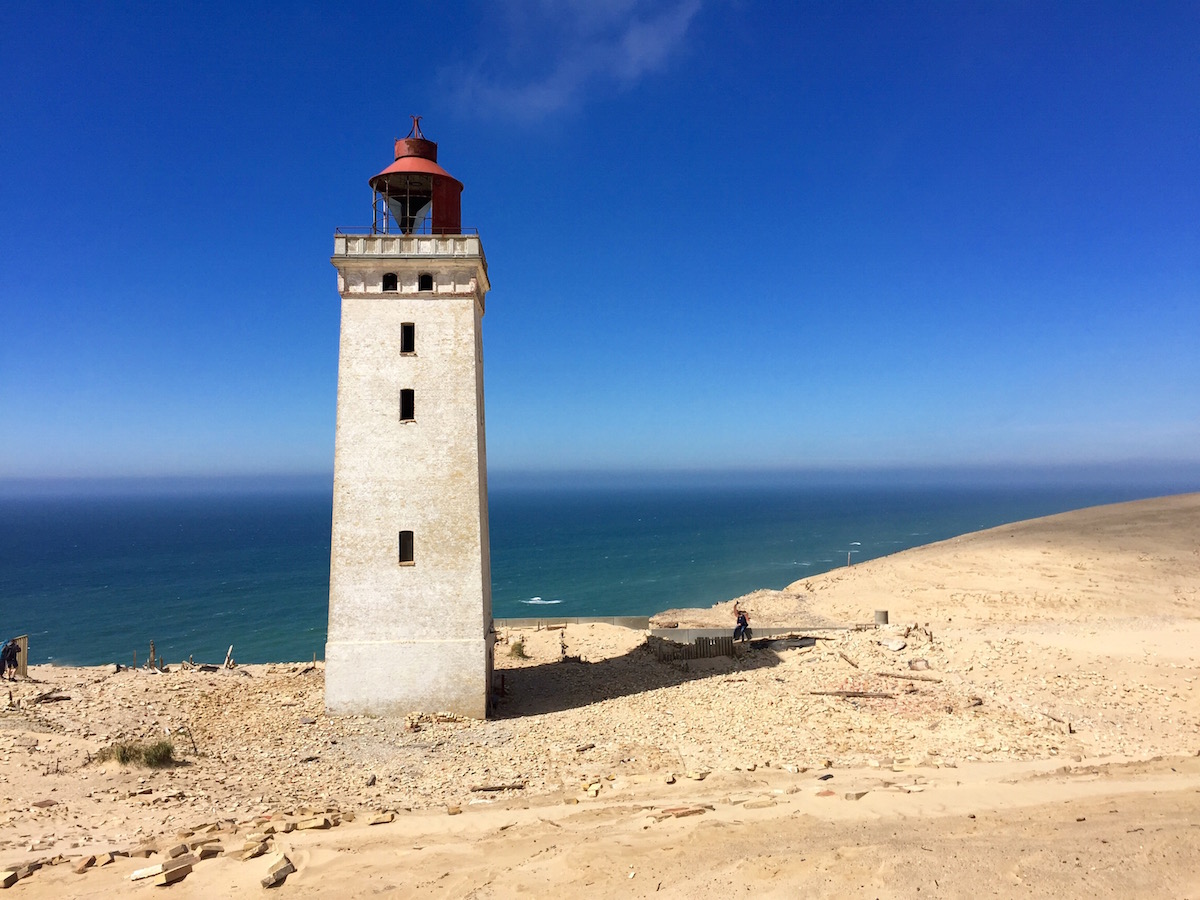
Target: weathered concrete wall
636, 623
410, 637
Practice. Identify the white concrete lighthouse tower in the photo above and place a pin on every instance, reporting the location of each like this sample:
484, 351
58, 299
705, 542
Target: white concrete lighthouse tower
410, 599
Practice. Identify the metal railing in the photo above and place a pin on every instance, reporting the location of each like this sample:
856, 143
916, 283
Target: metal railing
428, 231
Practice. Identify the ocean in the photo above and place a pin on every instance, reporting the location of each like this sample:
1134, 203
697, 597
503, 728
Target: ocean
94, 579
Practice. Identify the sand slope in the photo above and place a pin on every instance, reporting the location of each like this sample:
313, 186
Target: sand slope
1138, 559
1135, 559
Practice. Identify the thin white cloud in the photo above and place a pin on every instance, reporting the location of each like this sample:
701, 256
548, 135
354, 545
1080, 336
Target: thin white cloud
560, 51
645, 46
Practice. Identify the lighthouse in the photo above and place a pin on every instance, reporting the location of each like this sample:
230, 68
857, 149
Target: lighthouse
410, 604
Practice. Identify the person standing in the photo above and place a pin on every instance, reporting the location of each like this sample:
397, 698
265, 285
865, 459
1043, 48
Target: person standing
742, 628
8, 660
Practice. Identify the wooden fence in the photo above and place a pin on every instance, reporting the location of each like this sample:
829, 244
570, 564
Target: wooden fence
700, 648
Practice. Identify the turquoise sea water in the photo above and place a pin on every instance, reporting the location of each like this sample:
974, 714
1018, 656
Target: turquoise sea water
92, 579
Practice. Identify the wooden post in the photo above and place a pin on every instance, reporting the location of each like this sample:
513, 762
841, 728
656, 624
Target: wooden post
23, 655
150, 662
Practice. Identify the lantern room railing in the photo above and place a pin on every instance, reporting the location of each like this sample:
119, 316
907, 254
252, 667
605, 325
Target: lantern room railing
396, 232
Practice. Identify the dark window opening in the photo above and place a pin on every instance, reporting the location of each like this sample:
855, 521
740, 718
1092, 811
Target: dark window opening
406, 548
408, 338
425, 282
390, 282
407, 405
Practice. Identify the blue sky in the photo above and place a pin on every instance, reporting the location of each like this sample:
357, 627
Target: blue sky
741, 235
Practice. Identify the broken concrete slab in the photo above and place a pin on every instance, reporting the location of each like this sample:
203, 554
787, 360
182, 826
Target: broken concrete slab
148, 872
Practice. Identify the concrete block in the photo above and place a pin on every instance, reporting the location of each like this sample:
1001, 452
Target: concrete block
173, 875
254, 851
278, 871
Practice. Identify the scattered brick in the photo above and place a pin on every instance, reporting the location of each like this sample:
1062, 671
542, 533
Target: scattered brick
179, 862
253, 851
280, 869
173, 875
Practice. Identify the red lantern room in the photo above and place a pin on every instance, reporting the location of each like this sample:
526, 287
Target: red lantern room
415, 192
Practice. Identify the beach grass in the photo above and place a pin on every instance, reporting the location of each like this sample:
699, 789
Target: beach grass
157, 755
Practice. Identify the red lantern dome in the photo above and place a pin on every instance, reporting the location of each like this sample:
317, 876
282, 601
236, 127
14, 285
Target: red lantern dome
420, 195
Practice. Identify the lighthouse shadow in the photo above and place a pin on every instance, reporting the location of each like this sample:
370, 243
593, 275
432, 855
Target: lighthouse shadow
571, 683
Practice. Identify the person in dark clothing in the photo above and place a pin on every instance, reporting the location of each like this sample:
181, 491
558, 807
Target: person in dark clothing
8, 660
742, 628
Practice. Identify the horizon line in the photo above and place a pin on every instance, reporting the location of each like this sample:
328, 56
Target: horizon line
1181, 475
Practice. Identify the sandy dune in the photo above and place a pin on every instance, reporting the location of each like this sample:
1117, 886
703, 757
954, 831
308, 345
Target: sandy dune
1040, 739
